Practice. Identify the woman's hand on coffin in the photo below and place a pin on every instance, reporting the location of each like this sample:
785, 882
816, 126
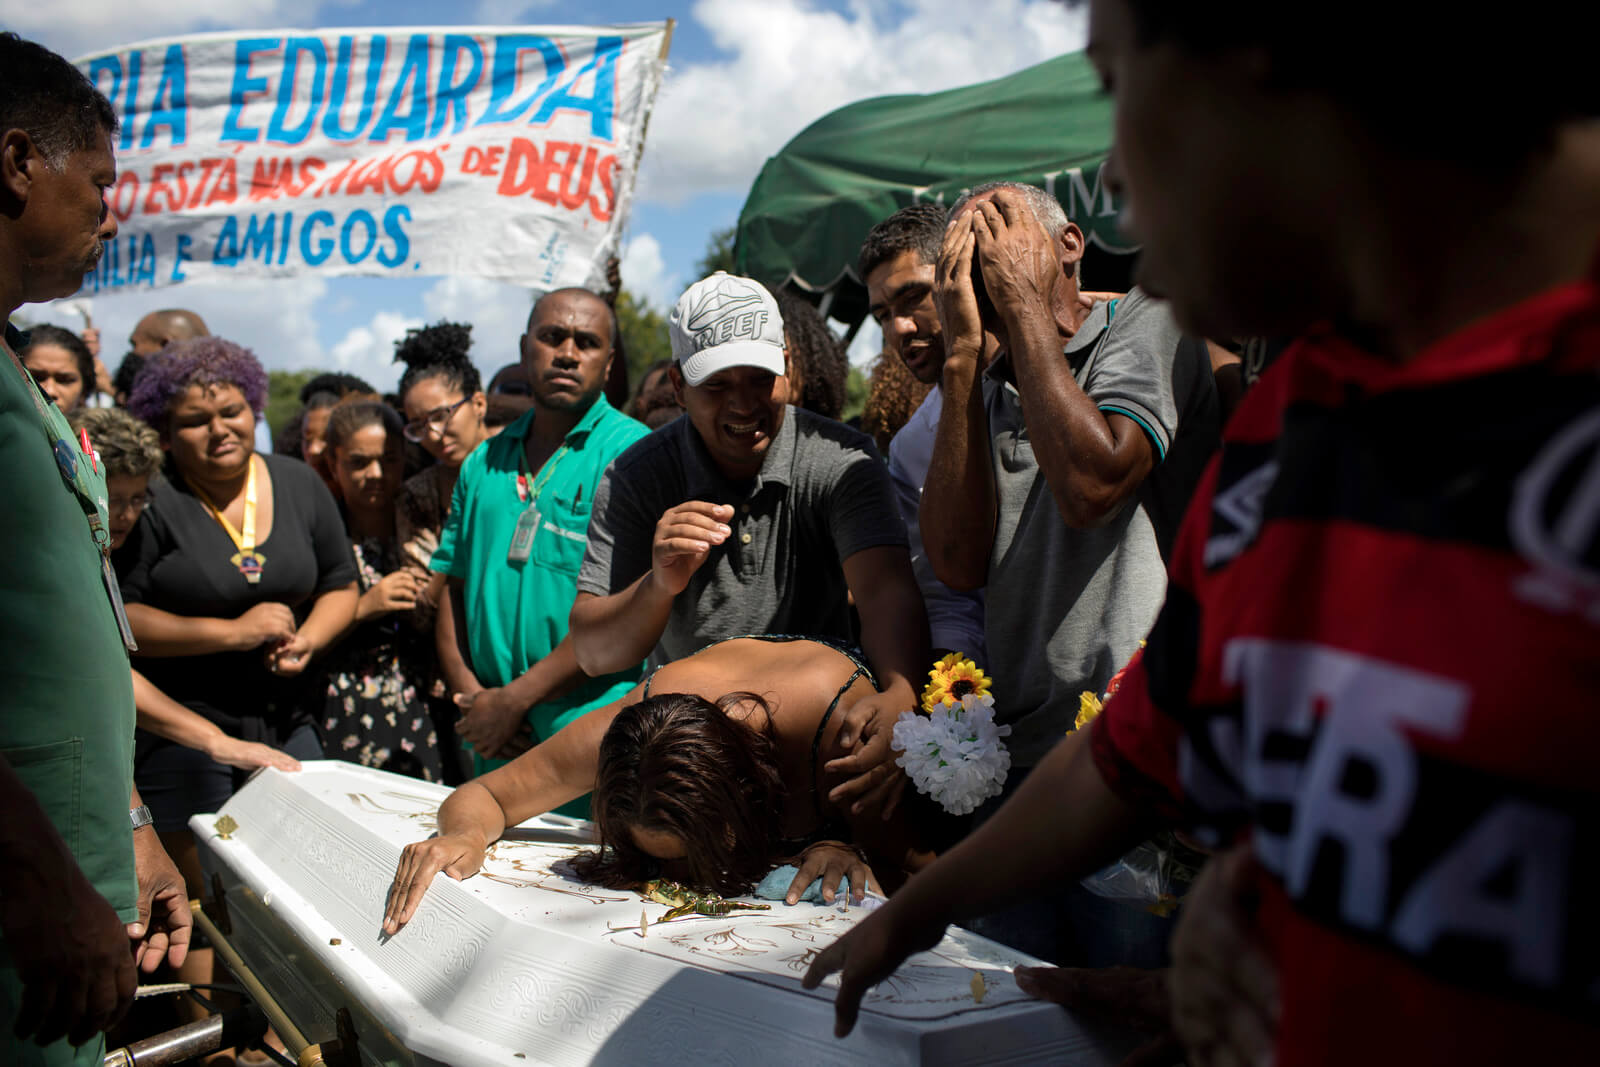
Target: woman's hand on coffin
870, 952
248, 755
458, 855
831, 861
489, 720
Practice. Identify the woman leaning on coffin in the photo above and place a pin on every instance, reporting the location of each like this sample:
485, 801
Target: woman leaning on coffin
710, 772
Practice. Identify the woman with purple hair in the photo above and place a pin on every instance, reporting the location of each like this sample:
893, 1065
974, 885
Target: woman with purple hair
239, 575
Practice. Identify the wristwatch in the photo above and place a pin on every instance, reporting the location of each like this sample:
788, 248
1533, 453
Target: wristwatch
141, 816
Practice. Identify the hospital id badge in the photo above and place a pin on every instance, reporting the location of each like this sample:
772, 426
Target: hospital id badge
114, 591
522, 536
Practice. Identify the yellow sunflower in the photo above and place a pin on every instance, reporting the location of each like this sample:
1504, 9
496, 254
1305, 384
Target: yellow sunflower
1088, 707
952, 678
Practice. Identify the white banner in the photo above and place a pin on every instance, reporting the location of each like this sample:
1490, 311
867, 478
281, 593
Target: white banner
504, 153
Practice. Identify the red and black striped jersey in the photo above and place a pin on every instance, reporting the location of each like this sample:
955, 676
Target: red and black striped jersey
1379, 659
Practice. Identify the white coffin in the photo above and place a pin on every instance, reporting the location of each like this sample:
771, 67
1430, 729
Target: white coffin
523, 965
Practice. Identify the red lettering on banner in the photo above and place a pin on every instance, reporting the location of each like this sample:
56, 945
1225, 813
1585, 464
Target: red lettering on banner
124, 196
226, 191
529, 174
274, 178
482, 161
523, 154
158, 184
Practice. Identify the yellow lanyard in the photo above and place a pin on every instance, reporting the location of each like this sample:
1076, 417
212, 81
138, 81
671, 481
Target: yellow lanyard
247, 559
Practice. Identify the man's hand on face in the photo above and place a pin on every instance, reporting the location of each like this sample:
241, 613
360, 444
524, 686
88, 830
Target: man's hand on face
684, 539
954, 296
1017, 257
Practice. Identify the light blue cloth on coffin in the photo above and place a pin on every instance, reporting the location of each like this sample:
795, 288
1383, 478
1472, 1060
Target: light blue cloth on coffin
775, 886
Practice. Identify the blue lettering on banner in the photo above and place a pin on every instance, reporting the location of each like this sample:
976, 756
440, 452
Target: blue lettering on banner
363, 216
324, 245
130, 101
397, 234
598, 105
449, 95
244, 85
508, 50
185, 242
171, 106
107, 65
413, 71
376, 55
278, 129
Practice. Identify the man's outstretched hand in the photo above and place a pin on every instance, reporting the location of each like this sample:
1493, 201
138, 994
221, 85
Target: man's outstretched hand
869, 953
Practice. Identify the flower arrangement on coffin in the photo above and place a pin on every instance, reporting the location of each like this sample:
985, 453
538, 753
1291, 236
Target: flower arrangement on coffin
953, 751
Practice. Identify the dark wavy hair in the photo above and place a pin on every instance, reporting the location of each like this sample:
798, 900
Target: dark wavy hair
438, 351
355, 413
893, 396
169, 373
46, 334
680, 764
918, 228
818, 354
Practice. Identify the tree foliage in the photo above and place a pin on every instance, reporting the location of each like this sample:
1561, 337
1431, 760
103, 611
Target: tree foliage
283, 395
644, 333
718, 255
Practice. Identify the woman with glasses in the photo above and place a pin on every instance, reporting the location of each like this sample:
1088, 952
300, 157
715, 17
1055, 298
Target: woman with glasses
441, 394
444, 405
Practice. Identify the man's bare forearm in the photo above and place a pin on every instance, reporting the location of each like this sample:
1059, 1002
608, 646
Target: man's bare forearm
612, 633
957, 514
1029, 844
1090, 467
449, 641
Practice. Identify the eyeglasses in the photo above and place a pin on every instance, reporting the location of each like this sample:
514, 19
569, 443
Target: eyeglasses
121, 505
433, 422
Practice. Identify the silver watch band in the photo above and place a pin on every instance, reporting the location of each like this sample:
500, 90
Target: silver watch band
140, 816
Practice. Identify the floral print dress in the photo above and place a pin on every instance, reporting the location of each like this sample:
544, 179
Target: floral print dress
377, 712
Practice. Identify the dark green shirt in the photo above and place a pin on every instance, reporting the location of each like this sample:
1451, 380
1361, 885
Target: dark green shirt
66, 716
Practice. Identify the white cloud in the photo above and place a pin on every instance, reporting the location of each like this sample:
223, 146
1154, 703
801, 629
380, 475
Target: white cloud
508, 12
789, 64
645, 273
497, 311
82, 27
273, 317
368, 351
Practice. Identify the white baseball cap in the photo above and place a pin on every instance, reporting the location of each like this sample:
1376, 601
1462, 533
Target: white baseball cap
726, 321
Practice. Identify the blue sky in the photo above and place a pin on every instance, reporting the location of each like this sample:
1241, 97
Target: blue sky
744, 76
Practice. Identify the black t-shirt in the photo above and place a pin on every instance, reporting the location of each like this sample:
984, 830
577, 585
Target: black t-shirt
178, 559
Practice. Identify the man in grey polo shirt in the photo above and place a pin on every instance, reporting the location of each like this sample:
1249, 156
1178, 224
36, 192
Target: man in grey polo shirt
748, 517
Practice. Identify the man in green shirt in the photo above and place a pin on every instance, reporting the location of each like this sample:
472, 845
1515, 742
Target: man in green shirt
515, 539
87, 896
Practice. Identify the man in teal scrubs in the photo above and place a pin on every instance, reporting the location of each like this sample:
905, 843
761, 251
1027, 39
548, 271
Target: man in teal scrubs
515, 539
87, 895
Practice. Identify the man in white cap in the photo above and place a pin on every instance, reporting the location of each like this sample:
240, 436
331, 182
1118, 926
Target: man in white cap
752, 517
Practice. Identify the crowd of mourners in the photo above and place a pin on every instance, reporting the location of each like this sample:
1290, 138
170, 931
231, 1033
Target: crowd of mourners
1318, 500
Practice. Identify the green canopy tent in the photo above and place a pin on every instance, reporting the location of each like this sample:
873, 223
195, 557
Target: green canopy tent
813, 203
